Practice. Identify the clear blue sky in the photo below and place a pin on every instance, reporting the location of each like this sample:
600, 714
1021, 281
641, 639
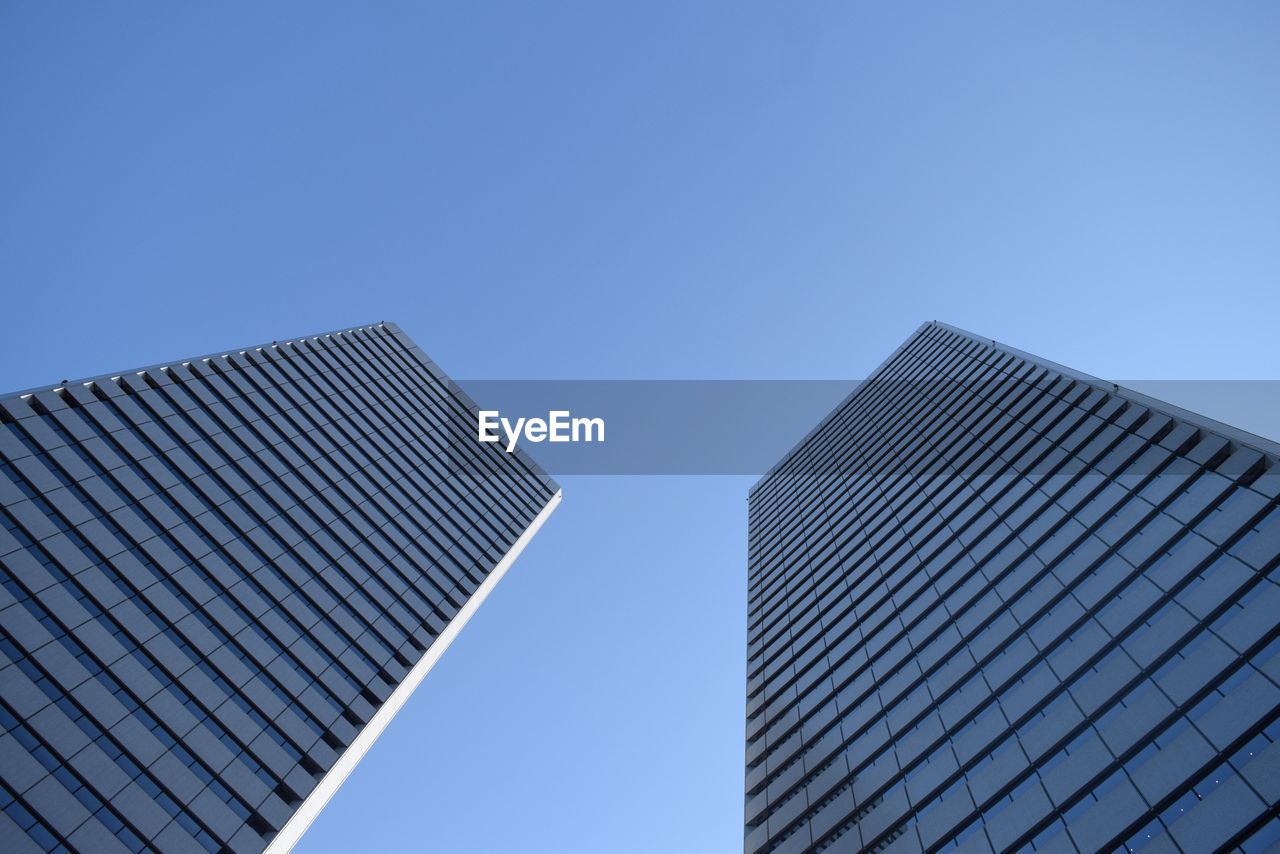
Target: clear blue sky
643, 190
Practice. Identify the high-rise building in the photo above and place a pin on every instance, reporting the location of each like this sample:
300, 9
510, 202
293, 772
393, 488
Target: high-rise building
996, 604
223, 576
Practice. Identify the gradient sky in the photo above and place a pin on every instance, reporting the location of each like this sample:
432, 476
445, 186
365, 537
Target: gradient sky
646, 190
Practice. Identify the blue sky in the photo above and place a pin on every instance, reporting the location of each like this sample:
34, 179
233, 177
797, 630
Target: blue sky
631, 191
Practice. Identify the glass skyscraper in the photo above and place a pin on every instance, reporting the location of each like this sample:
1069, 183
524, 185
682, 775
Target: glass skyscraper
223, 576
995, 604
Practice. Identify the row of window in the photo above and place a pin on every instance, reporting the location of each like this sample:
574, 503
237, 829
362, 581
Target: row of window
1029, 598
861, 617
242, 522
887, 606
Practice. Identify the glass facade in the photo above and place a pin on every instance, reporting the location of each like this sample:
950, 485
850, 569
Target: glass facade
995, 604
216, 572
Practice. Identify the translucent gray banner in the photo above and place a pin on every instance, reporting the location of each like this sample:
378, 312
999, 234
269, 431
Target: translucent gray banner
744, 427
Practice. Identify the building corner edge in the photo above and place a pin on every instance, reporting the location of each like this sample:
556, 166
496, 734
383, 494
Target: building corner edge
302, 818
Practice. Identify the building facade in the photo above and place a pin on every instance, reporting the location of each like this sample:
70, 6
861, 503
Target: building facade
995, 604
223, 576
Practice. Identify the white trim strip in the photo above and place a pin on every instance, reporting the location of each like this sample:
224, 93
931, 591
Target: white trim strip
328, 785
